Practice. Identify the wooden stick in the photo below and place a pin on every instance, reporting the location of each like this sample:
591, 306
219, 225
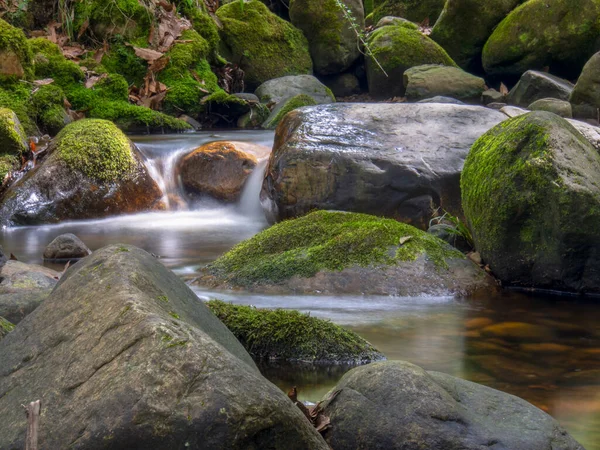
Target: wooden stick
33, 411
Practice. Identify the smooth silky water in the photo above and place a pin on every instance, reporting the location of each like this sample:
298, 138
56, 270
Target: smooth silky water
556, 366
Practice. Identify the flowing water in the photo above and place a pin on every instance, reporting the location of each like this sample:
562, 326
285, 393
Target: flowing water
555, 363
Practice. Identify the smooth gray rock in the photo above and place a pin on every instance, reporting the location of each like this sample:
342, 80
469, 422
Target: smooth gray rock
534, 85
279, 88
124, 355
491, 96
18, 304
399, 406
430, 80
441, 99
388, 159
513, 111
561, 108
66, 247
586, 94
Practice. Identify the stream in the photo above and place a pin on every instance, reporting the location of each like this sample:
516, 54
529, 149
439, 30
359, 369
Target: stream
556, 366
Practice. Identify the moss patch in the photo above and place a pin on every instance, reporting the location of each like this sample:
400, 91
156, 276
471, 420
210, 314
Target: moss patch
96, 148
48, 104
290, 335
326, 240
13, 41
129, 18
5, 327
298, 101
413, 10
122, 59
12, 137
17, 96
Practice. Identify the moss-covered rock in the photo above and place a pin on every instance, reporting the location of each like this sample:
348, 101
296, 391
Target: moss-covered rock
413, 10
559, 34
332, 41
285, 106
561, 108
431, 80
224, 105
16, 59
341, 252
102, 20
48, 103
587, 90
122, 59
50, 63
17, 96
5, 327
284, 335
396, 49
531, 193
264, 45
465, 25
12, 137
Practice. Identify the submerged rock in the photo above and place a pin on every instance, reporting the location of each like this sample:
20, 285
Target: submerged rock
531, 193
395, 160
282, 335
93, 170
66, 247
397, 405
161, 369
534, 85
346, 253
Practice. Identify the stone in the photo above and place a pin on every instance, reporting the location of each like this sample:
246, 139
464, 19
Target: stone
513, 111
388, 159
16, 57
249, 97
498, 106
442, 99
262, 44
535, 85
558, 34
343, 85
391, 20
464, 26
3, 258
333, 43
590, 132
513, 181
285, 106
397, 49
334, 253
5, 327
255, 117
217, 169
430, 80
561, 108
414, 10
492, 96
196, 126
397, 405
162, 370
66, 247
13, 142
277, 89
92, 170
16, 304
587, 89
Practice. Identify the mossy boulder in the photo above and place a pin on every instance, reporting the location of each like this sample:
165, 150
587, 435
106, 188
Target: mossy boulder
92, 170
464, 27
559, 34
561, 108
5, 327
396, 49
535, 85
284, 335
333, 42
13, 141
101, 20
285, 106
338, 252
430, 80
586, 94
16, 58
49, 105
531, 194
413, 10
224, 107
264, 45
279, 88
50, 63
16, 96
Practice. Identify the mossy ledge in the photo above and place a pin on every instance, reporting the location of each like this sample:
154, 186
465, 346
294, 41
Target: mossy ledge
288, 335
327, 241
5, 327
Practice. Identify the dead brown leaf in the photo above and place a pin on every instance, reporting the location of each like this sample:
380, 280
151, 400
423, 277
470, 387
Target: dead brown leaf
503, 89
159, 64
405, 239
83, 28
43, 82
147, 54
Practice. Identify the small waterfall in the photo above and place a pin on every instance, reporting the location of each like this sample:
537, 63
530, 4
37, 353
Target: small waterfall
249, 203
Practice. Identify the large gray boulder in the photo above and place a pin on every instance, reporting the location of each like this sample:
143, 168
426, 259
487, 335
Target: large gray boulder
398, 406
586, 94
534, 85
277, 89
123, 355
395, 160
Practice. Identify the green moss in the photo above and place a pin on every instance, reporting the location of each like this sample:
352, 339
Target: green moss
50, 63
48, 104
226, 105
12, 136
8, 163
264, 45
97, 148
5, 327
321, 22
113, 87
17, 96
123, 60
207, 28
13, 40
128, 18
413, 10
326, 240
290, 335
368, 4
298, 101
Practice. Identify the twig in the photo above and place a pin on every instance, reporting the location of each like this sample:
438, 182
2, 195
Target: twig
33, 411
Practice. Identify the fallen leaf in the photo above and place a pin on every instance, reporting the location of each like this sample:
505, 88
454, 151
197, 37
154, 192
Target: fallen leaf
503, 89
83, 28
147, 54
13, 257
405, 239
43, 82
159, 64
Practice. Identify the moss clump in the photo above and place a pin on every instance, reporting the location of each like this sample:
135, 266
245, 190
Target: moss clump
12, 136
290, 335
122, 59
559, 34
5, 327
286, 106
128, 18
48, 104
13, 41
97, 148
264, 45
113, 87
326, 240
226, 105
413, 10
50, 63
17, 96
204, 24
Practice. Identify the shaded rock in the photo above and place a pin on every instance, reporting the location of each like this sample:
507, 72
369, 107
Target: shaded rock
66, 247
441, 99
282, 335
93, 170
279, 88
431, 80
587, 90
347, 253
535, 85
17, 276
559, 34
561, 108
3, 258
413, 10
449, 234
163, 371
223, 105
397, 49
391, 20
264, 46
16, 58
344, 85
5, 327
590, 132
19, 303
285, 106
196, 126
255, 117
396, 405
491, 96
513, 111
218, 169
333, 44
464, 26
13, 142
395, 160
531, 194
250, 98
